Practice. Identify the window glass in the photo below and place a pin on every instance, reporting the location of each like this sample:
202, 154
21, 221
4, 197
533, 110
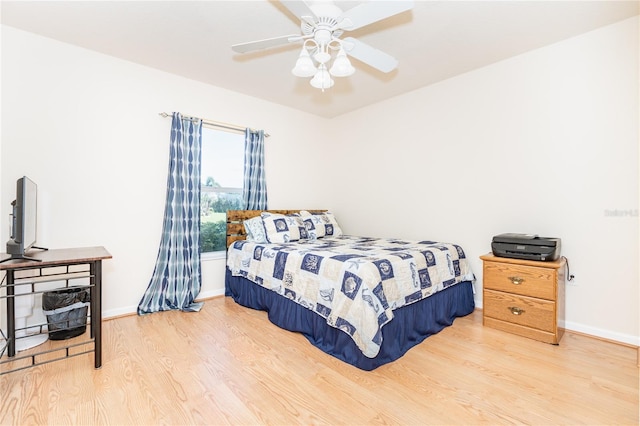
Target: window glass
221, 185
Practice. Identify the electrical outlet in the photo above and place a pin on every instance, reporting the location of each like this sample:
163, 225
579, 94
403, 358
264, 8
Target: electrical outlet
571, 280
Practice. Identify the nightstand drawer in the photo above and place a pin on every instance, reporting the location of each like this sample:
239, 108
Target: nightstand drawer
520, 279
522, 310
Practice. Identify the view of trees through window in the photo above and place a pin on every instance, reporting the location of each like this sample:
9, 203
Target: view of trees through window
221, 185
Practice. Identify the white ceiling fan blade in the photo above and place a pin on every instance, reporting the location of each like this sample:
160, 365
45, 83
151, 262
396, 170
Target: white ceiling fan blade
369, 55
266, 43
372, 11
298, 8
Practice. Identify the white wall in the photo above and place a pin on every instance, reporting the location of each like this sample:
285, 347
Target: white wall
85, 127
546, 143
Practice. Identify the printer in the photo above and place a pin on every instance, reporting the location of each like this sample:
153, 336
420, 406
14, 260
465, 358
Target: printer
526, 246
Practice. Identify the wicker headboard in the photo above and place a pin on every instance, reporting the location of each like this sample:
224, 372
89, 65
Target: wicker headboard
236, 218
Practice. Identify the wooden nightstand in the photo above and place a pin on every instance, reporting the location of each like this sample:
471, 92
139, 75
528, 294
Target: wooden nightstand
524, 297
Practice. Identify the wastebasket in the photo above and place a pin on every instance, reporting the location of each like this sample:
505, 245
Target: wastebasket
66, 311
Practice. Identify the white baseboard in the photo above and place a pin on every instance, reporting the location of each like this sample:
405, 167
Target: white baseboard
131, 310
211, 293
598, 332
119, 312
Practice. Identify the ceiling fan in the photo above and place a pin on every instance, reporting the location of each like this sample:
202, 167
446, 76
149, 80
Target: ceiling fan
322, 25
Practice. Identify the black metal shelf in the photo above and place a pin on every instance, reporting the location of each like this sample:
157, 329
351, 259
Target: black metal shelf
68, 261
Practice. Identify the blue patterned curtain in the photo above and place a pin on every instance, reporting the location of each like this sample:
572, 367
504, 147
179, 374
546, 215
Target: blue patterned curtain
176, 279
254, 193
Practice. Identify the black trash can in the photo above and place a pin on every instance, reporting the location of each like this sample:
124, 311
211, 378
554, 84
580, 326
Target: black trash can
66, 311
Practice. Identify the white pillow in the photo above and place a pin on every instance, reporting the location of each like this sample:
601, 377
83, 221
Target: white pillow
255, 230
321, 224
281, 228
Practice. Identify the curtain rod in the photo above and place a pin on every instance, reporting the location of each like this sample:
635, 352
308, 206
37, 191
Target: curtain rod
213, 123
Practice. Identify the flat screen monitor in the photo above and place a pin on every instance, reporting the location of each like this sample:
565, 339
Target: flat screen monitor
24, 219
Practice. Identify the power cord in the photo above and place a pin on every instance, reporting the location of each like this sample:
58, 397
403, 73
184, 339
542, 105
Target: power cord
569, 276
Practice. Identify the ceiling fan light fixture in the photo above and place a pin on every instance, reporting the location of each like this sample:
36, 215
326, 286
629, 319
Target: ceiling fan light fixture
322, 79
304, 65
341, 65
322, 25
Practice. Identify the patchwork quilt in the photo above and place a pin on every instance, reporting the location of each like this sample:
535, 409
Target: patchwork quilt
355, 283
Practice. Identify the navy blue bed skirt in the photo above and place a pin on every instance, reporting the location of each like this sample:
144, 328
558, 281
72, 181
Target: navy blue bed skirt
411, 323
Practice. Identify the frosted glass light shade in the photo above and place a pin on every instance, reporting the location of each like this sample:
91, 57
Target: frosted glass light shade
341, 66
304, 65
322, 79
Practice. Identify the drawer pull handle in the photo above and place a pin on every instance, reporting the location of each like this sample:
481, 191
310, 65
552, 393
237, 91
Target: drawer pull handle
515, 310
516, 280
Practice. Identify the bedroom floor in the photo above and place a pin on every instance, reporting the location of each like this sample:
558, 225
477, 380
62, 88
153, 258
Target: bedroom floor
230, 365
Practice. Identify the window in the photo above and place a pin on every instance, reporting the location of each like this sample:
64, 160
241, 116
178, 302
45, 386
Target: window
221, 185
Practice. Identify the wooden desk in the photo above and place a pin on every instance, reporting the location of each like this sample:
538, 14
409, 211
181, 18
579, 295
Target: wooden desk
69, 259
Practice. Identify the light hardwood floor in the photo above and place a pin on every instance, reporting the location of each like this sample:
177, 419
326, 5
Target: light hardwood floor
229, 365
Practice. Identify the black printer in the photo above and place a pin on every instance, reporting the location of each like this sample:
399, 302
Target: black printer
526, 246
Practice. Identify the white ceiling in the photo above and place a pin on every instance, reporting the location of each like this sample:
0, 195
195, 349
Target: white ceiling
434, 41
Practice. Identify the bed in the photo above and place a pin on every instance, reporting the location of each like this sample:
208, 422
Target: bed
365, 301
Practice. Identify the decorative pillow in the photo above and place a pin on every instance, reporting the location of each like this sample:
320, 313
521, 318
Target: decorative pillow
281, 228
313, 224
319, 225
255, 230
